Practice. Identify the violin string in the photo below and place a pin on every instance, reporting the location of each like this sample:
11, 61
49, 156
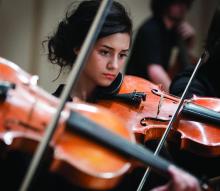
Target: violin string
202, 59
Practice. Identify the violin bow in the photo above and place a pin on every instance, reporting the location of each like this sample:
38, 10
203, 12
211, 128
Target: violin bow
71, 83
213, 40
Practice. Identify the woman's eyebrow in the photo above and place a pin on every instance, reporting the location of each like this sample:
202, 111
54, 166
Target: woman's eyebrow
108, 47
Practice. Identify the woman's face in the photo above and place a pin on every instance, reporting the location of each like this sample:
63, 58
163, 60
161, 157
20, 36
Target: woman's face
107, 59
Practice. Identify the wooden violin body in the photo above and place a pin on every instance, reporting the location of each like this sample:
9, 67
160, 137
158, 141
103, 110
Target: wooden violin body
25, 111
149, 119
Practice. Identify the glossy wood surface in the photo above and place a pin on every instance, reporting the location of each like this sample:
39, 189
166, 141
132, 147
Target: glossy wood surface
26, 112
193, 135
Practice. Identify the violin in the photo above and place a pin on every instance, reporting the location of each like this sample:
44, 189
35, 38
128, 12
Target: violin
147, 109
25, 111
86, 134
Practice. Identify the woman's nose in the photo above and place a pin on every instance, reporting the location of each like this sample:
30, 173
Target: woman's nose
113, 63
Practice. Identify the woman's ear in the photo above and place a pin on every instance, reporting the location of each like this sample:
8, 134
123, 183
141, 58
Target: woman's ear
76, 50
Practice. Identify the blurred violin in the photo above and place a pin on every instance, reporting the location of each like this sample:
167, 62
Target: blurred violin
25, 111
147, 109
85, 137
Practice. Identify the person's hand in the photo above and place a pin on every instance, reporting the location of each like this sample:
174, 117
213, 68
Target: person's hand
186, 30
187, 33
181, 181
158, 75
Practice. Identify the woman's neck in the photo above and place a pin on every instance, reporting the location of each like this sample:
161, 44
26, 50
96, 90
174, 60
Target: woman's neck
84, 88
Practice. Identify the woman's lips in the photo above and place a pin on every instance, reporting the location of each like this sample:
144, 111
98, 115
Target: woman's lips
109, 76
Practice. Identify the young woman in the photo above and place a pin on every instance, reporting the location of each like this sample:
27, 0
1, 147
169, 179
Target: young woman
108, 55
107, 58
157, 37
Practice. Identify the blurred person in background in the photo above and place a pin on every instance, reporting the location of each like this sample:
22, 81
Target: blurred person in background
151, 52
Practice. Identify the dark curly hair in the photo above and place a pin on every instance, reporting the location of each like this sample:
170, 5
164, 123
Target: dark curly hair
158, 7
73, 29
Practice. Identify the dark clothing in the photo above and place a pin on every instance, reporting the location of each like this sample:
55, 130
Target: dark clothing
200, 86
206, 82
100, 92
153, 44
13, 167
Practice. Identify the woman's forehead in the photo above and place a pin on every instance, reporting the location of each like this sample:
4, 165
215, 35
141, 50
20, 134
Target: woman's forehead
117, 40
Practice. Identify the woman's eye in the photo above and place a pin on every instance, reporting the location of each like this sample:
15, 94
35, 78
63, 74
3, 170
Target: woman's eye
104, 52
123, 55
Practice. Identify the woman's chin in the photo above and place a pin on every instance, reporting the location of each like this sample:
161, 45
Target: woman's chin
105, 83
